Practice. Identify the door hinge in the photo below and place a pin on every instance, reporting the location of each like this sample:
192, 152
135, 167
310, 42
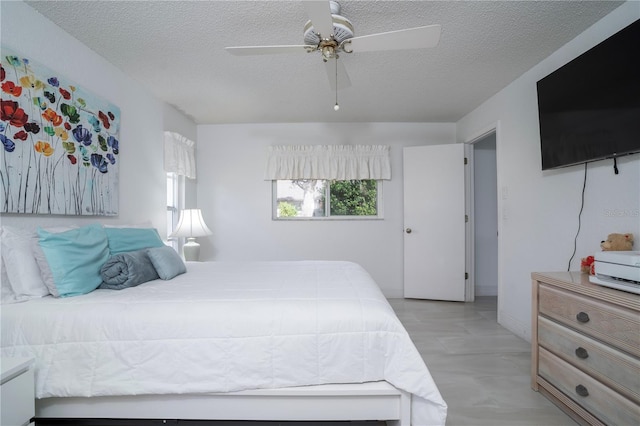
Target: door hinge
466, 275
466, 218
465, 160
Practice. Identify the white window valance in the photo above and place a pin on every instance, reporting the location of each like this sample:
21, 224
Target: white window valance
339, 162
179, 155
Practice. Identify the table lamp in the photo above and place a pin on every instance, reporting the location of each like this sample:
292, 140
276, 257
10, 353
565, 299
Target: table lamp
191, 225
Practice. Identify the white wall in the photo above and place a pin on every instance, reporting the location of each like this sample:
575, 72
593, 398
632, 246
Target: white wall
236, 200
142, 179
541, 211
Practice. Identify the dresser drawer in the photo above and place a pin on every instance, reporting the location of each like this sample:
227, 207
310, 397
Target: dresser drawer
601, 401
606, 322
614, 368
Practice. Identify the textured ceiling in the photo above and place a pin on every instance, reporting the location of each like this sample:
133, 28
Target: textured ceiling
176, 50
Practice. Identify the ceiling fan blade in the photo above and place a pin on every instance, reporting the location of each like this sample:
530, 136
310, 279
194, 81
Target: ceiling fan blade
411, 38
319, 13
268, 50
339, 79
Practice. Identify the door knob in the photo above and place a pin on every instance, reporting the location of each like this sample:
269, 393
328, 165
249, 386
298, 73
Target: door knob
408, 230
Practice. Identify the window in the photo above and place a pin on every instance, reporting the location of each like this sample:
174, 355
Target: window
173, 206
327, 199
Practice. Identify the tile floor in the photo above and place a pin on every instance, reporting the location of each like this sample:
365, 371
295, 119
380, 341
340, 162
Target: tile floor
481, 368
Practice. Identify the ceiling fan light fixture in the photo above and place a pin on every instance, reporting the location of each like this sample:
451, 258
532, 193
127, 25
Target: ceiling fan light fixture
328, 51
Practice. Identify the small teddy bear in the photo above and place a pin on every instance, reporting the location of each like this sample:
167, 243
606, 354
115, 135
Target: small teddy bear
614, 242
617, 242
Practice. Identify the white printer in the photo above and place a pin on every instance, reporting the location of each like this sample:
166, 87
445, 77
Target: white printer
618, 269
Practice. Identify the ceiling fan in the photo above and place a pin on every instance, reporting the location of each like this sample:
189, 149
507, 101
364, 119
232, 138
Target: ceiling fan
330, 33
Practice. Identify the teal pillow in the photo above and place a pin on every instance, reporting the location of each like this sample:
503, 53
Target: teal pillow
122, 240
75, 258
167, 262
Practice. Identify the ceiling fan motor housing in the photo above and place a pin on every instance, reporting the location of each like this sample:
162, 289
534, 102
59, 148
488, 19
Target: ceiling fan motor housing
342, 28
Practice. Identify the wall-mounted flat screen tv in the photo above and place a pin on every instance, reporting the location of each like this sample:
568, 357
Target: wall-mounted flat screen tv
589, 109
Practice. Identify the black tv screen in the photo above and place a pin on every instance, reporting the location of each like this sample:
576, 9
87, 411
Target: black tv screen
589, 109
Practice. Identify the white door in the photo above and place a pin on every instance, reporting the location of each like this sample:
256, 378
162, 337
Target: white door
434, 222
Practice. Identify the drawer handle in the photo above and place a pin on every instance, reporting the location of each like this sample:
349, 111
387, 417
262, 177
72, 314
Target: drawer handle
582, 317
582, 391
582, 353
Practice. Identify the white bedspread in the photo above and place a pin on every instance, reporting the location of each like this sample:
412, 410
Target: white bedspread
223, 326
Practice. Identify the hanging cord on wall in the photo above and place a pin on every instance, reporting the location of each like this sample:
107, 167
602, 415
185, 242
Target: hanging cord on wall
575, 240
615, 165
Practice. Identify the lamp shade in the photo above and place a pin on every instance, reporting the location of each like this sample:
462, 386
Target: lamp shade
191, 224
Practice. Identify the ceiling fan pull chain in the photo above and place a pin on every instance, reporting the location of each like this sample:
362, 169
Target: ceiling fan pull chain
336, 106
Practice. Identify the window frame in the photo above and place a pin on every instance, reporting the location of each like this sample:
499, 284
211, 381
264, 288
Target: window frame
327, 207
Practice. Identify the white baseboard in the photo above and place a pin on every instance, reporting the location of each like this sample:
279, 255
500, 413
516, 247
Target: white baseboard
514, 325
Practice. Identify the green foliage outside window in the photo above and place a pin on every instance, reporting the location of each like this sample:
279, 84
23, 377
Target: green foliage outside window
353, 198
287, 209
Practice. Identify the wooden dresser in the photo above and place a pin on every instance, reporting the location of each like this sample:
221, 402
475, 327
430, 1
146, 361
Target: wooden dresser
585, 348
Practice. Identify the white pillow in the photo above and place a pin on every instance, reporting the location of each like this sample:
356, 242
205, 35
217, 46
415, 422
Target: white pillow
6, 293
22, 269
45, 271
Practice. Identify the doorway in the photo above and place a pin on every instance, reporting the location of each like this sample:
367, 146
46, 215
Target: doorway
485, 215
424, 196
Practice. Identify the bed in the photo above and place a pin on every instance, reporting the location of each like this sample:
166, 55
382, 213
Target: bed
304, 340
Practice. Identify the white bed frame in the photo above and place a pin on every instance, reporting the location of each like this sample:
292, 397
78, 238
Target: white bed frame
339, 402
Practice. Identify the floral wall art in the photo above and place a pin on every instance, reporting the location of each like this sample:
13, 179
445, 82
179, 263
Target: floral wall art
60, 143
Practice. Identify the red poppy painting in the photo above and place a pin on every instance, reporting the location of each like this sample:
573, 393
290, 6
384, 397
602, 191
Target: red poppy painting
60, 143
